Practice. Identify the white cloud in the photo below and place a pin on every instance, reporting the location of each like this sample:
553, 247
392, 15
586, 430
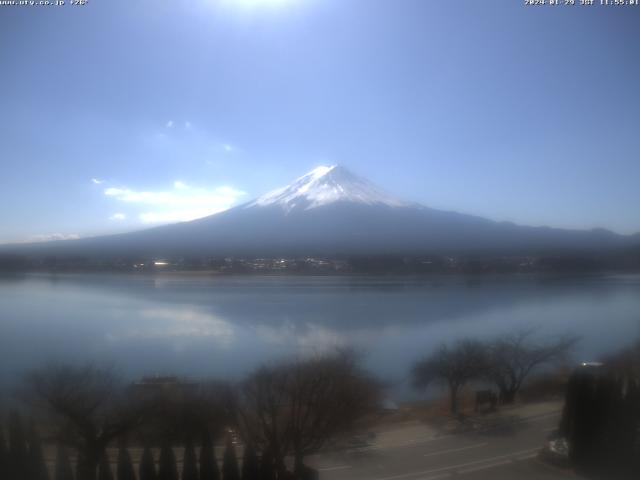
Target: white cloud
48, 237
228, 147
169, 124
96, 181
118, 216
187, 124
181, 203
174, 216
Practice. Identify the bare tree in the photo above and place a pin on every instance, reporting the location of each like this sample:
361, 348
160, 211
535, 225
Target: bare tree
327, 396
301, 406
262, 415
185, 409
512, 357
88, 405
452, 366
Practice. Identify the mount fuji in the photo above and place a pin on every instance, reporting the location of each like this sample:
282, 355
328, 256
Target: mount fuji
323, 186
331, 211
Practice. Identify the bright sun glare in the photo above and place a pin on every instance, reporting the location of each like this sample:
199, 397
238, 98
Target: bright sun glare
257, 3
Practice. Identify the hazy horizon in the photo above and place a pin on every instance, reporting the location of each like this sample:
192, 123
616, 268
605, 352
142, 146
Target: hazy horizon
252, 201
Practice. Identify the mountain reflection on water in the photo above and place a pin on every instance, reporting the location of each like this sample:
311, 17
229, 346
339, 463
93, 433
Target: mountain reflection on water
200, 325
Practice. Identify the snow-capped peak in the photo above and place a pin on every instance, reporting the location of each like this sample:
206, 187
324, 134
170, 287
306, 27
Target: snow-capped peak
326, 185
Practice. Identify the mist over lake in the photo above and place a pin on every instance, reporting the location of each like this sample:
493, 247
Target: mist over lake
225, 326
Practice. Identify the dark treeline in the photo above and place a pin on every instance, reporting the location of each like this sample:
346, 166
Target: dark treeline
163, 428
553, 263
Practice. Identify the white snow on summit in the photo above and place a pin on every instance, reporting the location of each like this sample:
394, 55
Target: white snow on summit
326, 185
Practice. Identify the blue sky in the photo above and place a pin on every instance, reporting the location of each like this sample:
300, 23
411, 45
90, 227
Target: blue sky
120, 115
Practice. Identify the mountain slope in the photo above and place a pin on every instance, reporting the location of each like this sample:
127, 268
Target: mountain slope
331, 211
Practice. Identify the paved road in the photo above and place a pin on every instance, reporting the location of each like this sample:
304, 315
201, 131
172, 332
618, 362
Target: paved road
506, 452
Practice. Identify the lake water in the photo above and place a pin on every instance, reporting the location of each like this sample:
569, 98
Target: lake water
199, 325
